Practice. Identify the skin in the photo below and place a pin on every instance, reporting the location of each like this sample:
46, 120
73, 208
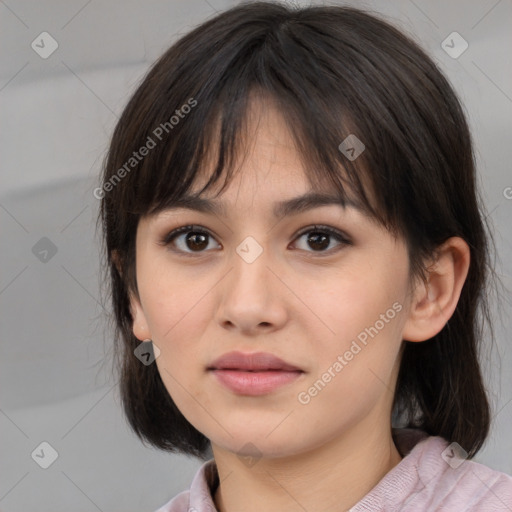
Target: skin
301, 304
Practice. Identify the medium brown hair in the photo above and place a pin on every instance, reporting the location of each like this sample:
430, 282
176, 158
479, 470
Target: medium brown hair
334, 71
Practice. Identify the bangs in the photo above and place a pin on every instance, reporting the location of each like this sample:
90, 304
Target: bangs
223, 144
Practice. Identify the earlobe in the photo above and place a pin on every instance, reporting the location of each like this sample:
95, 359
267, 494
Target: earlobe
435, 300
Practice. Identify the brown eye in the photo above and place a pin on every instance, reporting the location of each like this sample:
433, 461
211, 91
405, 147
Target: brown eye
319, 238
188, 239
196, 241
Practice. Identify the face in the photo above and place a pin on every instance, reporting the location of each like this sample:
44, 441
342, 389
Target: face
324, 289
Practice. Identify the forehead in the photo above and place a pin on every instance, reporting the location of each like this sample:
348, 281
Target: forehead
266, 155
265, 168
273, 186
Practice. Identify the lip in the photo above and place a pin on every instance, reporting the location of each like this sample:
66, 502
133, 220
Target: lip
251, 362
253, 374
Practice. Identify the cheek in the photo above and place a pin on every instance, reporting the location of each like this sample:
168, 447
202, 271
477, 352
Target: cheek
351, 302
363, 313
171, 296
179, 313
178, 327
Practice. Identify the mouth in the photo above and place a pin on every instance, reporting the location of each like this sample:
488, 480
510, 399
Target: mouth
253, 374
252, 362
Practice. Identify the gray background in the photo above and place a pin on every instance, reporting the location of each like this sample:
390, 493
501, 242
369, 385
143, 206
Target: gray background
57, 116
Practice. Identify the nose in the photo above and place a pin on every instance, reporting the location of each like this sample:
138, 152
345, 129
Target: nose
252, 297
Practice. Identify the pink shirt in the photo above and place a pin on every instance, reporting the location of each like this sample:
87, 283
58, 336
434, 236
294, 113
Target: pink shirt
430, 477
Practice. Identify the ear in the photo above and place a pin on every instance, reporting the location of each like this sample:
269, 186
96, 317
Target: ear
140, 326
435, 301
117, 261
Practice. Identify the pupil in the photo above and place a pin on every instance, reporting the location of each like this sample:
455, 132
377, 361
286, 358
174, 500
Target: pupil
194, 237
311, 239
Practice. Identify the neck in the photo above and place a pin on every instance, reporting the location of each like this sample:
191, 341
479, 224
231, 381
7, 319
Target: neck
332, 477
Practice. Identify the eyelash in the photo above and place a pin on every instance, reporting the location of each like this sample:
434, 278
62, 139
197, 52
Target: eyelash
326, 230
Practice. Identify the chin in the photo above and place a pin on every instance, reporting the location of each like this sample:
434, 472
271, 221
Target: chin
256, 444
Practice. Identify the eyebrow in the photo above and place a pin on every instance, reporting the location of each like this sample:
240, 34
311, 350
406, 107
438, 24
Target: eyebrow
295, 205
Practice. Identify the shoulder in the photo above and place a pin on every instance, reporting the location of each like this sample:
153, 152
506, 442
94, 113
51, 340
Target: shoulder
198, 498
464, 483
180, 503
435, 475
446, 480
